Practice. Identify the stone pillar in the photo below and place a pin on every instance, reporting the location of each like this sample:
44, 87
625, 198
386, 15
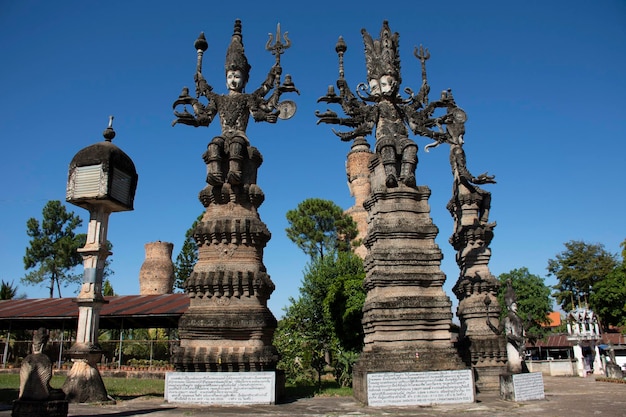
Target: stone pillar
228, 326
407, 315
359, 184
156, 275
84, 383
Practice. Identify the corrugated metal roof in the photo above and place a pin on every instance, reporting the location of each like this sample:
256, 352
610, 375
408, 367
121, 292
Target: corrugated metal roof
129, 311
560, 340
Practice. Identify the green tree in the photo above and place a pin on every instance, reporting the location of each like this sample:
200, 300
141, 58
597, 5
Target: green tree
320, 226
325, 321
52, 253
107, 288
187, 257
609, 295
534, 302
578, 269
7, 291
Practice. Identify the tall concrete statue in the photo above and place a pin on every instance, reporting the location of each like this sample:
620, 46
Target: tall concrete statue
228, 326
406, 315
476, 287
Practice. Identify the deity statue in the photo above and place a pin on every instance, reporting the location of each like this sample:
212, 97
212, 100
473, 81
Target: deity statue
512, 327
379, 107
226, 152
36, 372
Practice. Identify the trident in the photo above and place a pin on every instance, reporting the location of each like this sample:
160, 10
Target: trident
422, 54
278, 48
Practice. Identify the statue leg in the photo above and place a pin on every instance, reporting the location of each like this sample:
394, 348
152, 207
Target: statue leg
409, 163
388, 157
213, 159
235, 162
485, 205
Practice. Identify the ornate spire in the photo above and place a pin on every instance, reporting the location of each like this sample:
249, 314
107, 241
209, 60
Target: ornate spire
381, 55
235, 57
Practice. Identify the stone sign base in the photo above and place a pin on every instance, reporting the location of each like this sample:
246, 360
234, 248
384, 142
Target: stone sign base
420, 388
522, 387
220, 388
51, 408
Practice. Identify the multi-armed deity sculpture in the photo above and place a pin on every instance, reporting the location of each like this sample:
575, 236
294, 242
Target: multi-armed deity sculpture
228, 326
407, 316
476, 287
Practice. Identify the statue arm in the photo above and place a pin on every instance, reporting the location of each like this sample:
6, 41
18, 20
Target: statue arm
269, 82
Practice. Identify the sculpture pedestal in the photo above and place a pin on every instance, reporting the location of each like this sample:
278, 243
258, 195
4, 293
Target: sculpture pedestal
48, 408
522, 387
406, 316
228, 326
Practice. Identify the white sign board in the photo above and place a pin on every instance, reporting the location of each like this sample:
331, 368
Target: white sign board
420, 388
528, 386
220, 388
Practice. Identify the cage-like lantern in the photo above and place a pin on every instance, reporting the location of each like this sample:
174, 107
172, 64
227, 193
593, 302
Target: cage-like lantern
102, 175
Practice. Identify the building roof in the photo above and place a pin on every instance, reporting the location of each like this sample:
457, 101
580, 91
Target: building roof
555, 319
126, 311
560, 340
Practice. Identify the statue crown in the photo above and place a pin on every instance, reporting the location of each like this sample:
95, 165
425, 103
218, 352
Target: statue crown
235, 56
381, 55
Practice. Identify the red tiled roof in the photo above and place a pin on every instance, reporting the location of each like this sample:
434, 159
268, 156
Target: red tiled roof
130, 311
555, 319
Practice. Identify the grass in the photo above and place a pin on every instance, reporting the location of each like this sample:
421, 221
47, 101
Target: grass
128, 388
118, 388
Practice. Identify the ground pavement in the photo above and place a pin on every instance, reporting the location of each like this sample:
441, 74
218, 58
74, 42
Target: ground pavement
565, 397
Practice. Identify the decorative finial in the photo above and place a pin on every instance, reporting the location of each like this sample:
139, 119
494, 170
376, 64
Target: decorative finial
341, 48
109, 133
201, 45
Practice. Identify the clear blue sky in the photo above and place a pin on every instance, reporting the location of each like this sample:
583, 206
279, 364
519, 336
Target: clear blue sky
543, 84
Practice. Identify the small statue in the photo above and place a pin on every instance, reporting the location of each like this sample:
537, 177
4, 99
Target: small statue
380, 107
36, 372
225, 153
513, 328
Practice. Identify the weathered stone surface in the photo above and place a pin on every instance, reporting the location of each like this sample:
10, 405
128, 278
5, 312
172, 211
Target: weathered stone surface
358, 181
228, 326
156, 275
51, 408
406, 316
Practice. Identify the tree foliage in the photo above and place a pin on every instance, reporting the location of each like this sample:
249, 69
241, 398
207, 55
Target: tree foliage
325, 321
534, 302
578, 269
187, 257
52, 253
320, 226
8, 291
608, 298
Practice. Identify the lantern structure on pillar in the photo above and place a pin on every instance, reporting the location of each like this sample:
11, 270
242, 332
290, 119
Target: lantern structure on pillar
102, 179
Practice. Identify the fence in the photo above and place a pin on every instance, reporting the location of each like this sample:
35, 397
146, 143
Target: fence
117, 354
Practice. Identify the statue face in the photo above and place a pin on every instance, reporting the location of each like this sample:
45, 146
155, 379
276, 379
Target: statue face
387, 84
374, 87
234, 80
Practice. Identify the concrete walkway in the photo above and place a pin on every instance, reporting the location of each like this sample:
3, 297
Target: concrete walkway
565, 396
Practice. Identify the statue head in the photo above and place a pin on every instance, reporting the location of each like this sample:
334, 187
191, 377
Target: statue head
388, 85
236, 60
40, 339
382, 61
510, 298
235, 80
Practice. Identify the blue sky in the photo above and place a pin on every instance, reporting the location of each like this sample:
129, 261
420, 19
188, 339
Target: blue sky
543, 84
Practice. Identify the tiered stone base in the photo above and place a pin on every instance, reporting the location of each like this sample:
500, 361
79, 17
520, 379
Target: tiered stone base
407, 316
